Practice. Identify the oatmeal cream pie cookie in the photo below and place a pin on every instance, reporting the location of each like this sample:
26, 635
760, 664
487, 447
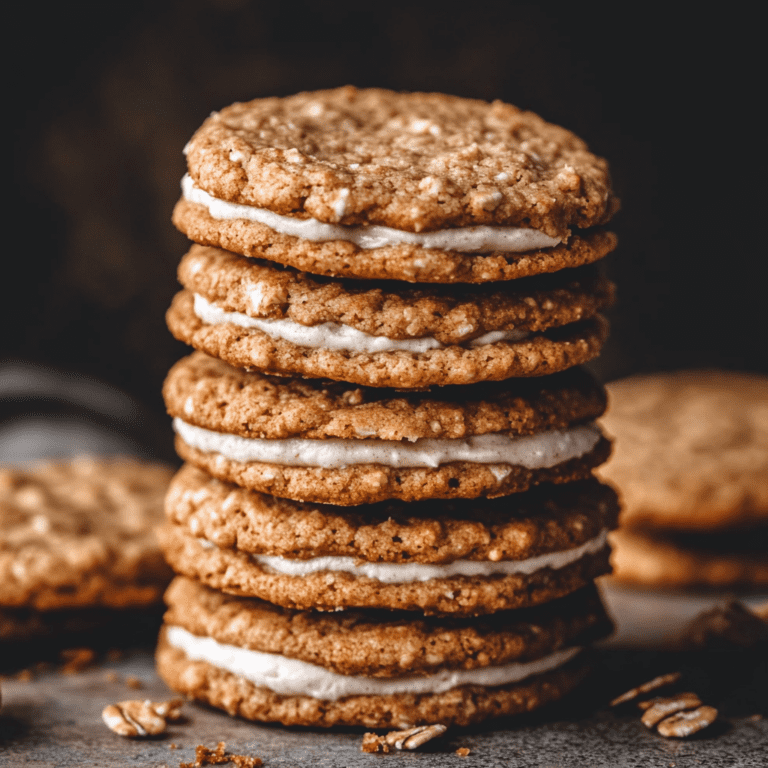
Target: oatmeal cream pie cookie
79, 536
256, 314
371, 183
372, 669
335, 443
456, 557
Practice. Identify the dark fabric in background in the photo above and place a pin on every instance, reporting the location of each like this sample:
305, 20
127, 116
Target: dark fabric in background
104, 96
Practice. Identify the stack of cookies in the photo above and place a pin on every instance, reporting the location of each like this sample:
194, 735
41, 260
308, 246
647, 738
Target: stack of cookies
388, 515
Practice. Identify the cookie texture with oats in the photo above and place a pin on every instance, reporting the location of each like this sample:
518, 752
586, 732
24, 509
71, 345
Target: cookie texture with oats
546, 519
449, 314
238, 573
381, 646
411, 161
208, 393
691, 449
539, 354
464, 705
81, 533
386, 644
403, 261
556, 316
369, 483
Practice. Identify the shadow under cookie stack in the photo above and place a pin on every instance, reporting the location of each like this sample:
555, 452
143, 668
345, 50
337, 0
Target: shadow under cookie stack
387, 516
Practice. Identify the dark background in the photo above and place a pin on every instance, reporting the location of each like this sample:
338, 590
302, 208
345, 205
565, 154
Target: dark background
103, 97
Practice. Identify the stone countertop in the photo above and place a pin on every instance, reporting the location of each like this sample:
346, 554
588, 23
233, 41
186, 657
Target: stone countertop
54, 720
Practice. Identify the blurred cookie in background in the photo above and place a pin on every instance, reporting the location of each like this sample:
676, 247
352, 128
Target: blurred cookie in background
736, 561
691, 464
78, 552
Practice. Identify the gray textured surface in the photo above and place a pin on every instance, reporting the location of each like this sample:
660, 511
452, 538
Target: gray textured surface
55, 720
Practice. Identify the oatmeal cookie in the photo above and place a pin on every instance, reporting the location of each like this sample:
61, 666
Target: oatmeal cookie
332, 443
356, 668
373, 183
251, 314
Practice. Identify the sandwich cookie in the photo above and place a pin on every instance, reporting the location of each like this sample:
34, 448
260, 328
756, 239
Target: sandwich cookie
453, 557
408, 186
266, 663
77, 540
339, 444
254, 314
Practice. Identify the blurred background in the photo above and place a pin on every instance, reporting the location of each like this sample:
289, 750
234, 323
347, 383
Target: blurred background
103, 97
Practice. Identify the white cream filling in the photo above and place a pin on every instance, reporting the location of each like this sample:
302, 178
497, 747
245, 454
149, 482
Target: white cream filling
291, 677
335, 336
478, 239
545, 449
408, 573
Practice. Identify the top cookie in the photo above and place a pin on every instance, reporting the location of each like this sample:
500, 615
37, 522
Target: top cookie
374, 184
81, 534
691, 449
411, 161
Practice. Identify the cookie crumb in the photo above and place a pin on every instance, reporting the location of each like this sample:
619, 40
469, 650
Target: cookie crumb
133, 682
244, 761
374, 744
462, 751
651, 685
76, 660
218, 756
111, 676
25, 675
173, 746
206, 756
